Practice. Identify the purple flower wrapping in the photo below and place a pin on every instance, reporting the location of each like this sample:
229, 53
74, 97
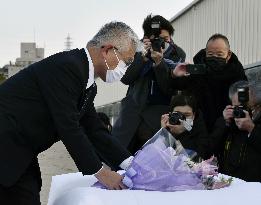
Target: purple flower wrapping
160, 167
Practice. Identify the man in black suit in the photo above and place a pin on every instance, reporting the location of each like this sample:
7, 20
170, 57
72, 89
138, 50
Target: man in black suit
52, 100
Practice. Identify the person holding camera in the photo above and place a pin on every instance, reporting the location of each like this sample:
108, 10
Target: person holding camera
236, 139
146, 101
186, 124
216, 68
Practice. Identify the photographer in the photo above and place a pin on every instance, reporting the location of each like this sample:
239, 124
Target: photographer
209, 85
145, 102
236, 139
186, 124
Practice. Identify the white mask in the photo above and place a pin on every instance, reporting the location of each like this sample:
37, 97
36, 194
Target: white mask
117, 73
188, 123
166, 46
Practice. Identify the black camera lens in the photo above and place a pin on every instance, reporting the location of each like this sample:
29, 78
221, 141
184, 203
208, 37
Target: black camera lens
157, 44
175, 117
243, 95
238, 112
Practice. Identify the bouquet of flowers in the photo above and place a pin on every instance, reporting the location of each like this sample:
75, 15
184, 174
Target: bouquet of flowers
164, 165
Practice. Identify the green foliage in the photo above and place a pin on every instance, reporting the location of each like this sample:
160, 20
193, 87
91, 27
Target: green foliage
2, 78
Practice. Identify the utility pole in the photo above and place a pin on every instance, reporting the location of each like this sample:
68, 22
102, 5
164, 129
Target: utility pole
68, 43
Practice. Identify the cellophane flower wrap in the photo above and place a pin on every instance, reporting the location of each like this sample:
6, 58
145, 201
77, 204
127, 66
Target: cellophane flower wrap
164, 165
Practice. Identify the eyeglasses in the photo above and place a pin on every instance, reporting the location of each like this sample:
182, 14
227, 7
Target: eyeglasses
127, 62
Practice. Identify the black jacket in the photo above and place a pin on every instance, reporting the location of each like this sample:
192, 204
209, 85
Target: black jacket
197, 139
145, 99
41, 105
239, 155
211, 90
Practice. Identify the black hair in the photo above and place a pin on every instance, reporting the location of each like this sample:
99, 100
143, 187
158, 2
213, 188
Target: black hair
164, 24
219, 36
183, 100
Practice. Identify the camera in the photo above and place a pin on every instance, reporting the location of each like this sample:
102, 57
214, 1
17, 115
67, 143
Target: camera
243, 98
175, 117
243, 95
196, 69
157, 42
238, 112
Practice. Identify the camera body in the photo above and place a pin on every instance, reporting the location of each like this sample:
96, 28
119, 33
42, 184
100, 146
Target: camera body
175, 117
243, 98
196, 69
238, 112
243, 95
157, 42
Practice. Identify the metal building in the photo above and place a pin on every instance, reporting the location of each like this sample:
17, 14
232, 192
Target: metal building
239, 20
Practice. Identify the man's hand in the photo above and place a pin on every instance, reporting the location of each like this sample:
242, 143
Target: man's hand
246, 123
110, 179
180, 70
174, 129
228, 114
165, 120
147, 46
156, 56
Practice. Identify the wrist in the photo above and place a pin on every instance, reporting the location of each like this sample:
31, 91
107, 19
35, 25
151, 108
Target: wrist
157, 62
172, 73
227, 122
251, 127
100, 173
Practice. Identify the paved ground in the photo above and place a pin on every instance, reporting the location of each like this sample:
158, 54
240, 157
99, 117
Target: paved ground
54, 161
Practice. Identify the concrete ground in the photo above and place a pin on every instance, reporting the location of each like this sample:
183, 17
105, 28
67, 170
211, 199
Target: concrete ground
54, 161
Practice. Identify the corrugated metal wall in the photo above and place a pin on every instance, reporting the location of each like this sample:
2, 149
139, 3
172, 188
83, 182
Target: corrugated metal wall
239, 20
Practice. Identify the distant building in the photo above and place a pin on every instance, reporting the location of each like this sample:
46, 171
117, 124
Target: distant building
4, 71
29, 54
68, 43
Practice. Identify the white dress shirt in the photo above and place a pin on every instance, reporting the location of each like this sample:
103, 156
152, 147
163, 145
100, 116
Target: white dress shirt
91, 69
126, 163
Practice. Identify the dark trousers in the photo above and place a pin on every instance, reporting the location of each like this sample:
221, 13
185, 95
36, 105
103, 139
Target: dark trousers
26, 191
143, 133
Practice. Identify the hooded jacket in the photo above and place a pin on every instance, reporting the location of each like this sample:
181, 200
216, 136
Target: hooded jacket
211, 89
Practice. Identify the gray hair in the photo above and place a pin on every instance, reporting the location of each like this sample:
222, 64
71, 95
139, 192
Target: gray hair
255, 87
118, 34
219, 36
233, 88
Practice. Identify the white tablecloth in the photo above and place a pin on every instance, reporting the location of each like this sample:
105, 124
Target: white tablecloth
74, 189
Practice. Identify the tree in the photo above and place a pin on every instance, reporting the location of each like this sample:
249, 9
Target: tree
2, 78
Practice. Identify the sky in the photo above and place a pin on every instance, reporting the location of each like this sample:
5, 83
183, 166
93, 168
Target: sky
48, 22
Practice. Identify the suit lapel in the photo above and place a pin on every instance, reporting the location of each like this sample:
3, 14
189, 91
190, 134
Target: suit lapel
88, 98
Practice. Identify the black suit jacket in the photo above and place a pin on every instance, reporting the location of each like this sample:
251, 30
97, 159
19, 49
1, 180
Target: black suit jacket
40, 106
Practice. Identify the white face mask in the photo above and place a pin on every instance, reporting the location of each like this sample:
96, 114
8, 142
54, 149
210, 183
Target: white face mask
166, 46
117, 73
188, 123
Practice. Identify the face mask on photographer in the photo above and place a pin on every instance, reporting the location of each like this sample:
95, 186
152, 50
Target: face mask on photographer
216, 63
188, 124
217, 54
113, 75
166, 46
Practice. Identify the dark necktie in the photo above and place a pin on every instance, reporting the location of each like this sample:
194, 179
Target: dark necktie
88, 98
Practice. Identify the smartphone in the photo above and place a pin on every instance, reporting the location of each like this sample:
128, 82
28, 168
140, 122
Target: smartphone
196, 69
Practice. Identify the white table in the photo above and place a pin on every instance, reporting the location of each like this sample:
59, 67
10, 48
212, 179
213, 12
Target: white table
74, 189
